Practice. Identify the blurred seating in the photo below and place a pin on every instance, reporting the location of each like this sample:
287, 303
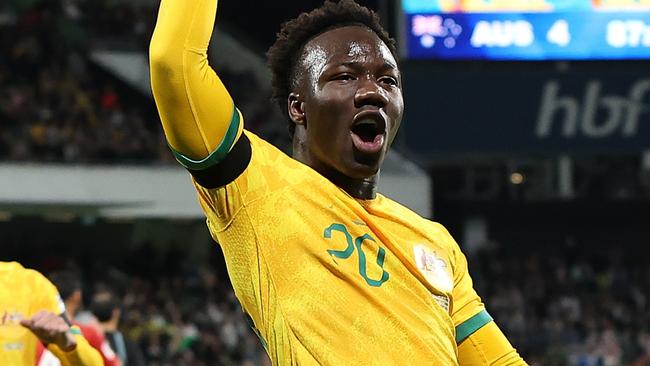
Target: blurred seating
57, 106
570, 306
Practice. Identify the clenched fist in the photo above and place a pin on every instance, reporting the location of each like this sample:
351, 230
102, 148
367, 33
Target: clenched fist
51, 328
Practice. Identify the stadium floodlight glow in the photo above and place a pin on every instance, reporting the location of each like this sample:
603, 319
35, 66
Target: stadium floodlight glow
517, 178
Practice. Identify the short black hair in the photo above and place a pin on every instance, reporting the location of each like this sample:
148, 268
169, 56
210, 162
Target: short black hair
66, 281
103, 304
296, 33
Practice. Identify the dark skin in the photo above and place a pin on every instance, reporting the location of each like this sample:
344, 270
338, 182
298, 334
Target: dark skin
346, 77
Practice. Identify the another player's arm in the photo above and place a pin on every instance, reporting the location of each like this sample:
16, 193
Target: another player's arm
202, 125
52, 327
65, 342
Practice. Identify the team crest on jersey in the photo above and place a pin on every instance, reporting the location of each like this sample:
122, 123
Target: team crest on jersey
433, 268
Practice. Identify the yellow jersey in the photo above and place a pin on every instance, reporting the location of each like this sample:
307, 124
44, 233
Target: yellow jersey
23, 293
333, 280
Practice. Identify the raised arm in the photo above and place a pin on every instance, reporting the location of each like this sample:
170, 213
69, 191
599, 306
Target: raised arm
198, 115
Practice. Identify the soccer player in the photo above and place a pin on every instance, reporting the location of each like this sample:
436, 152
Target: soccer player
330, 271
31, 310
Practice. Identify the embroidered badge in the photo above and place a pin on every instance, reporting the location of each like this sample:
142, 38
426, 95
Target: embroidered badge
433, 268
435, 272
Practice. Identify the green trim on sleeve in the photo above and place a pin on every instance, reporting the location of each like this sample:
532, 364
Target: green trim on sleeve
471, 325
219, 153
75, 331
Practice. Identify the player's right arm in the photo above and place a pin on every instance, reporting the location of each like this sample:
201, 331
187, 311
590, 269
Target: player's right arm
202, 125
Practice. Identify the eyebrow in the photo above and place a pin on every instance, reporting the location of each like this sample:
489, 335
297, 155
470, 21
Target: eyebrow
386, 65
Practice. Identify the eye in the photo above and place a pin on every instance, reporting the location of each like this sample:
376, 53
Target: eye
343, 77
388, 80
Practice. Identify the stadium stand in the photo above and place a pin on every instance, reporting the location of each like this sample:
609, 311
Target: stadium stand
59, 106
567, 307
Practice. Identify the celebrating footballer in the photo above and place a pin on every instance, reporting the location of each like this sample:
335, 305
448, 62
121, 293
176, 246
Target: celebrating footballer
330, 271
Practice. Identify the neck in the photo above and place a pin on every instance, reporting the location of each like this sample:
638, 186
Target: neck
360, 188
71, 310
364, 188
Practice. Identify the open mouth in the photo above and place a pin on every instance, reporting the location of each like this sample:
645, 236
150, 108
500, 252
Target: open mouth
367, 130
368, 133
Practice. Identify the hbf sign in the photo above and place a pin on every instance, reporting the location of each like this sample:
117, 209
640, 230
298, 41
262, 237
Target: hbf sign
525, 111
593, 115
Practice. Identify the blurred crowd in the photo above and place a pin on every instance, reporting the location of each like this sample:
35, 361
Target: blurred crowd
578, 306
190, 318
558, 306
56, 105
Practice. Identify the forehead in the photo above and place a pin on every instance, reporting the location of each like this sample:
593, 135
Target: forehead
348, 43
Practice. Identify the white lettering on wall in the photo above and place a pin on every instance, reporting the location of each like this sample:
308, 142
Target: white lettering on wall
570, 116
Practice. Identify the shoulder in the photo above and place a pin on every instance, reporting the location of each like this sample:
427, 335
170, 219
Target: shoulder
430, 228
388, 205
12, 268
23, 275
405, 213
44, 294
269, 153
443, 237
271, 169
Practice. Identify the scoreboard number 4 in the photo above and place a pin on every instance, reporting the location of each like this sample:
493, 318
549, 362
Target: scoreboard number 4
559, 33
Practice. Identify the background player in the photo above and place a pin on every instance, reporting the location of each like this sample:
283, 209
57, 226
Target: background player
106, 307
69, 285
31, 310
330, 271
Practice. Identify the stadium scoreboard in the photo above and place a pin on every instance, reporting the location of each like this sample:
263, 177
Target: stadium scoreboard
526, 29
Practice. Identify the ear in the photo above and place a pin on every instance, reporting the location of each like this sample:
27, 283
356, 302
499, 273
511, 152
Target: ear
296, 108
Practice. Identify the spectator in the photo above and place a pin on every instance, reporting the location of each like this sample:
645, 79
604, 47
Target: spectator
106, 308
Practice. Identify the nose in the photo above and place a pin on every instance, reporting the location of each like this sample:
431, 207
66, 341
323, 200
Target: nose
370, 93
